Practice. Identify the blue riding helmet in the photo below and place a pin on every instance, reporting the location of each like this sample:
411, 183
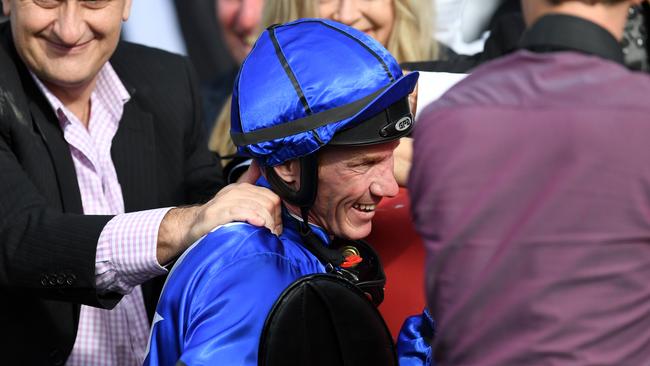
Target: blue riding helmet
314, 82
307, 84
310, 83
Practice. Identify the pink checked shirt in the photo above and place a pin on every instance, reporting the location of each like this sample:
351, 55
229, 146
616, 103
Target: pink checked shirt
126, 250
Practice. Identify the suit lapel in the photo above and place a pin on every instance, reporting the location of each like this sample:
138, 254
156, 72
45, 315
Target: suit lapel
133, 153
48, 127
46, 124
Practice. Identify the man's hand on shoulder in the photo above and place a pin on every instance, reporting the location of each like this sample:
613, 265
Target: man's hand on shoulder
241, 201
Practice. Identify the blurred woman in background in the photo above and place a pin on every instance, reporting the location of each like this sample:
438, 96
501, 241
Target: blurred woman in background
402, 26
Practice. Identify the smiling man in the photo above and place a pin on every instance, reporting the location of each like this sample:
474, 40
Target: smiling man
100, 141
325, 138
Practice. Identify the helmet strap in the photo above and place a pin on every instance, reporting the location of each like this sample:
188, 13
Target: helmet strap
330, 258
306, 194
304, 198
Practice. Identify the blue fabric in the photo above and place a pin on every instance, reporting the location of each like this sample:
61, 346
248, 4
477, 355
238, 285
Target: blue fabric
217, 296
414, 340
216, 299
333, 64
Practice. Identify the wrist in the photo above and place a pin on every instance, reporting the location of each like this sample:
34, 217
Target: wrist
174, 233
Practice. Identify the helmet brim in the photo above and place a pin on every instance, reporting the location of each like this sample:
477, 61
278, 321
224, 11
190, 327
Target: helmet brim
387, 117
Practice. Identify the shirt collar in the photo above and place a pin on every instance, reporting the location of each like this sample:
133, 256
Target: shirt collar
559, 32
109, 89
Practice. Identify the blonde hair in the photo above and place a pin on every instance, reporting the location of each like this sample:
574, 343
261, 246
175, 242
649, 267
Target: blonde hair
410, 39
220, 141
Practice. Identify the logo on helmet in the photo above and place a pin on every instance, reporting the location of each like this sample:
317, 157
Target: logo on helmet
403, 124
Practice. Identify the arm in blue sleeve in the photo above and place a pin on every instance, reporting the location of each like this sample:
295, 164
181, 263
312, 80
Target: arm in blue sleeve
414, 340
229, 310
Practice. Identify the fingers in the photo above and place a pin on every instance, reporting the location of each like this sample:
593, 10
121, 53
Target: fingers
245, 202
247, 191
258, 218
265, 204
404, 151
255, 212
403, 156
413, 100
258, 206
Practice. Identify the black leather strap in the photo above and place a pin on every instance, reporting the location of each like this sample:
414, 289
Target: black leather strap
306, 194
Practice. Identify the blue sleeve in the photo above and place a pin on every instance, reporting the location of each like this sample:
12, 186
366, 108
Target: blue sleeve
229, 309
414, 341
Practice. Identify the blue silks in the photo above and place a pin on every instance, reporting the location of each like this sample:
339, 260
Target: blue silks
414, 340
215, 301
220, 291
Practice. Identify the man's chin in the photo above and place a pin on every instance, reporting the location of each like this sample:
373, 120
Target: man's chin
66, 79
356, 233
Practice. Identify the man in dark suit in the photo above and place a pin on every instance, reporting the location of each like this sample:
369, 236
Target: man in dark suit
95, 137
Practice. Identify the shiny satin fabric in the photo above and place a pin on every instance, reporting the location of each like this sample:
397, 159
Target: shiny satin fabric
217, 297
414, 340
219, 293
354, 65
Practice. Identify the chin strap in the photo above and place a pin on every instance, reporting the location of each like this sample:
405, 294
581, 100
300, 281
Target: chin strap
368, 276
331, 258
306, 193
367, 273
304, 198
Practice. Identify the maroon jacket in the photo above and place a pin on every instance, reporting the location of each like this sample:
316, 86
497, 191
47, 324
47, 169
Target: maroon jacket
531, 188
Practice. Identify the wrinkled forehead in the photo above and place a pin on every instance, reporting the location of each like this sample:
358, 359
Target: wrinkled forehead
357, 154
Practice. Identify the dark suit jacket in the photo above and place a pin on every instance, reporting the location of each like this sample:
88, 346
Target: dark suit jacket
47, 247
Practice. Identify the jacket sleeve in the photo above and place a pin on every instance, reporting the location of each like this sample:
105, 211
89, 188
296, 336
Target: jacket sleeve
42, 250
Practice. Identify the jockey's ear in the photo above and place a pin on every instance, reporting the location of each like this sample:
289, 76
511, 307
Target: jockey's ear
289, 172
